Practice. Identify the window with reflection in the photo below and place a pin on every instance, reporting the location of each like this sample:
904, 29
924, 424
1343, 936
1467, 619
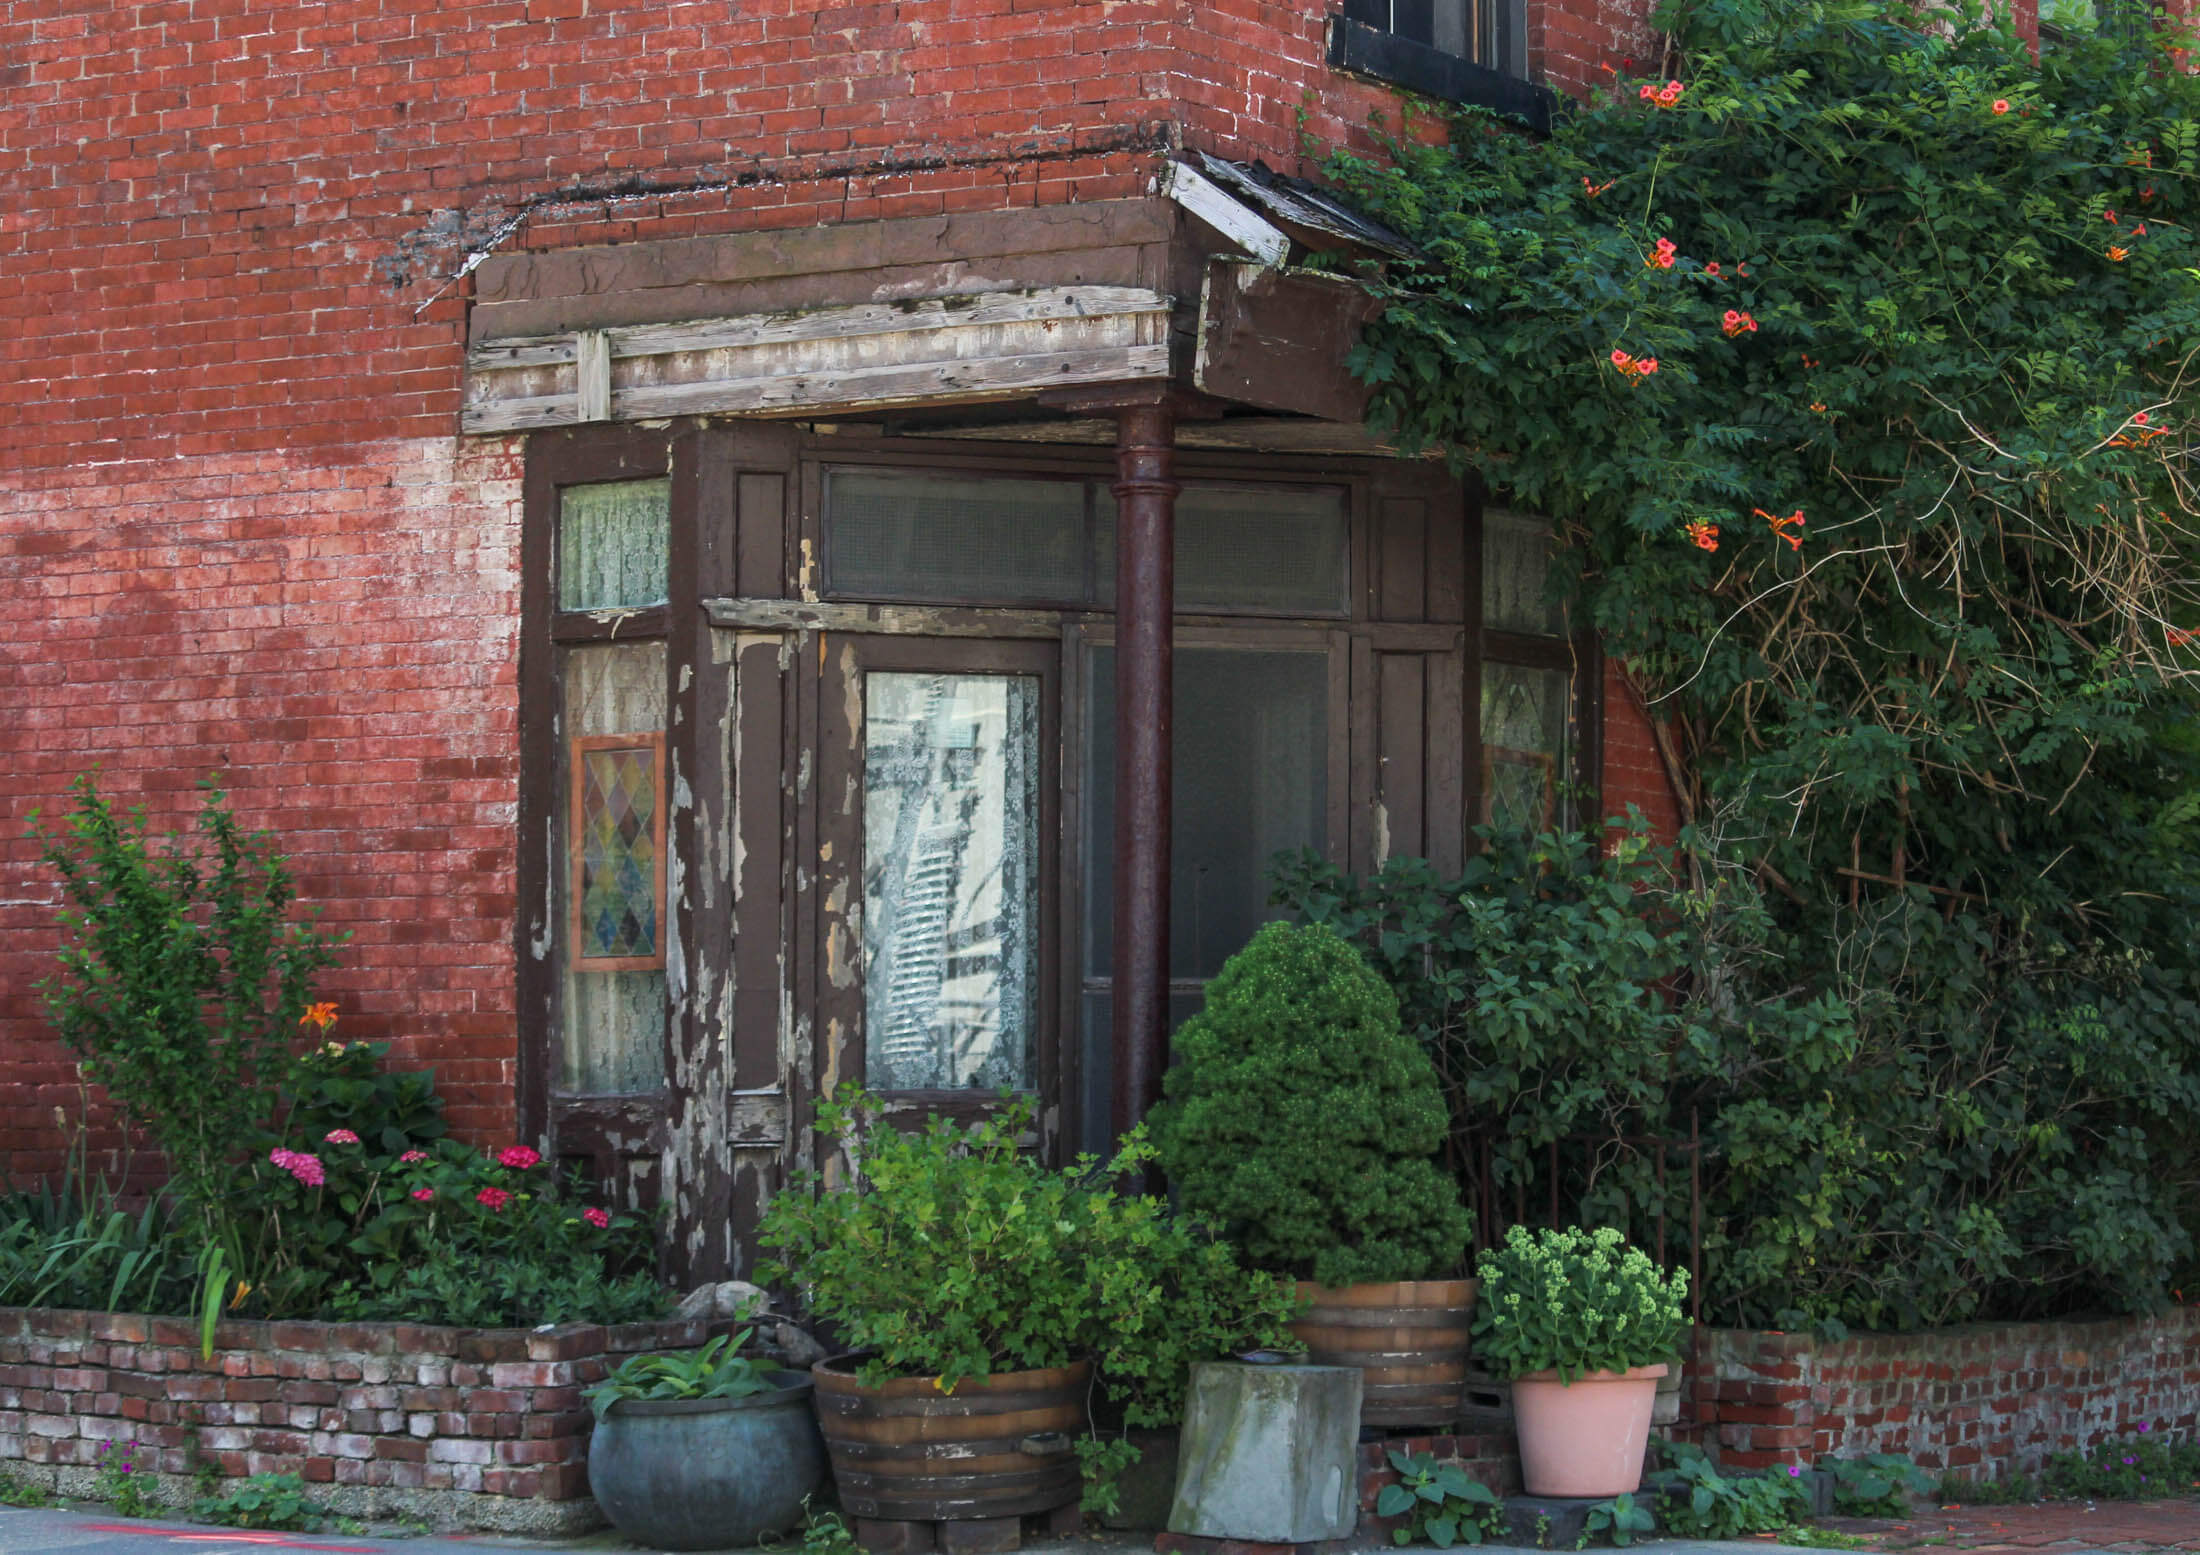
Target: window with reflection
950, 879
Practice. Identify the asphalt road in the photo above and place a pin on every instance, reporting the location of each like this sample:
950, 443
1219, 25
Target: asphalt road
96, 1531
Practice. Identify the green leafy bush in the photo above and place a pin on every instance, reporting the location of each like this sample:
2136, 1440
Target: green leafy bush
1880, 1485
478, 1240
262, 1501
1301, 1117
15, 1491
957, 1255
1898, 541
349, 1086
717, 1370
76, 1247
1696, 1501
181, 985
1574, 1301
125, 1480
1895, 1132
1536, 982
1619, 1520
2131, 1468
1441, 1503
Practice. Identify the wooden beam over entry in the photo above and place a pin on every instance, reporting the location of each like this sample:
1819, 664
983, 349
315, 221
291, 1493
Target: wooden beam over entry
936, 350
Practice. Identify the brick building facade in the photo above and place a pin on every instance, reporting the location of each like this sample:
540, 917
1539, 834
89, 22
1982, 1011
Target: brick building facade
473, 428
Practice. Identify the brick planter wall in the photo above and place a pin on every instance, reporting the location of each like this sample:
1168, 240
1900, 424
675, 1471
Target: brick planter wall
473, 1428
2004, 1395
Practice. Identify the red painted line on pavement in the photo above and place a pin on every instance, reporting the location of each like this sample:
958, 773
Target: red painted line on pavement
234, 1536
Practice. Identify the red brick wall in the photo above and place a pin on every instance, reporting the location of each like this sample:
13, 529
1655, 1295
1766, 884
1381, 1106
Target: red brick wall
1997, 1397
338, 640
464, 1427
237, 530
1633, 773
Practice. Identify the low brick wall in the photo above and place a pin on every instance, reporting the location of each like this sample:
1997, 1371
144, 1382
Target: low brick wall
1491, 1457
1984, 1399
471, 1428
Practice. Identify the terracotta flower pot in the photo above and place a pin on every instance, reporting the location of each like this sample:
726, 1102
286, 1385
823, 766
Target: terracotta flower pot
1587, 1437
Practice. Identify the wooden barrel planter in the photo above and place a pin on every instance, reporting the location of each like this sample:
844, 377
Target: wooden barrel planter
998, 1446
1409, 1339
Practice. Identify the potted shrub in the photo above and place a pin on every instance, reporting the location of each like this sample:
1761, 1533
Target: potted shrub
1301, 1116
705, 1450
1583, 1325
978, 1289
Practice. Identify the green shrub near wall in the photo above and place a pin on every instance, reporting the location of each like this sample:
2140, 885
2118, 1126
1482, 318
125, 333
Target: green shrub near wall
1852, 354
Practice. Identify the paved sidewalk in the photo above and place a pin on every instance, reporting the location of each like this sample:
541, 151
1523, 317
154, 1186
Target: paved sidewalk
2055, 1528
2062, 1527
97, 1531
94, 1530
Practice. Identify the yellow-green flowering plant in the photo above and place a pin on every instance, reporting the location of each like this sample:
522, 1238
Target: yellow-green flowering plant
1574, 1301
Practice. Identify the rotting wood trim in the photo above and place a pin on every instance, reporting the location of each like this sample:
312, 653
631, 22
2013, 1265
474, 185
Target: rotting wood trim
1279, 339
984, 377
756, 256
794, 615
990, 345
887, 318
756, 1120
592, 374
1226, 214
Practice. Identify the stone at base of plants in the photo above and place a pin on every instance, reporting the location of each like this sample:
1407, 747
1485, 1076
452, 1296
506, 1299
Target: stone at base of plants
439, 1511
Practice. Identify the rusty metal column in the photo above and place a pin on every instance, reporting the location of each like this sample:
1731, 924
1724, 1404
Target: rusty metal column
1145, 598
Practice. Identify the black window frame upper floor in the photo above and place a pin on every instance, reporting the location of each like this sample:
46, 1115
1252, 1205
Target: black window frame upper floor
1473, 52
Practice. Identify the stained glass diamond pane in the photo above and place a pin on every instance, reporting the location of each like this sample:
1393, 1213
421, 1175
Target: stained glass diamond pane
618, 844
1527, 739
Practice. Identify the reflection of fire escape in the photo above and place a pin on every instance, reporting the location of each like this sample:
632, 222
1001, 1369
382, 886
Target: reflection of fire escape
924, 903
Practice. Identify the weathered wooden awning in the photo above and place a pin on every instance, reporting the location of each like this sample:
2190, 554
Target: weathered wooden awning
934, 350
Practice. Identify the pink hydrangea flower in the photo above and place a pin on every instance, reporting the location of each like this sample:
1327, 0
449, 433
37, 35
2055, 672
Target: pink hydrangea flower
596, 1217
410, 1156
306, 1168
518, 1157
340, 1136
495, 1198
423, 1194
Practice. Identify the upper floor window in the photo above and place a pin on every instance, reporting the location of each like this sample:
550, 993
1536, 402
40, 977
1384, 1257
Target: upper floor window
1465, 51
1487, 32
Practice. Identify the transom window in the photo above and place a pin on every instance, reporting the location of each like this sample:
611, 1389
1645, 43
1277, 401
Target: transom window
977, 540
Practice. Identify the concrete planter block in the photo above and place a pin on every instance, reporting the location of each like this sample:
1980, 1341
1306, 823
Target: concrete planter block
1268, 1454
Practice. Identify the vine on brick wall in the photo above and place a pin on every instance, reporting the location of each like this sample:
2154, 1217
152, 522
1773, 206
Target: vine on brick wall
1856, 353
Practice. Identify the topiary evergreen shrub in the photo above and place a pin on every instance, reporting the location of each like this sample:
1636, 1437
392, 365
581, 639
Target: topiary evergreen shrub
1301, 1116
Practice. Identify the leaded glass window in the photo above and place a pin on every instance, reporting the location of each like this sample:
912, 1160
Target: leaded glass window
1527, 744
612, 889
618, 851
